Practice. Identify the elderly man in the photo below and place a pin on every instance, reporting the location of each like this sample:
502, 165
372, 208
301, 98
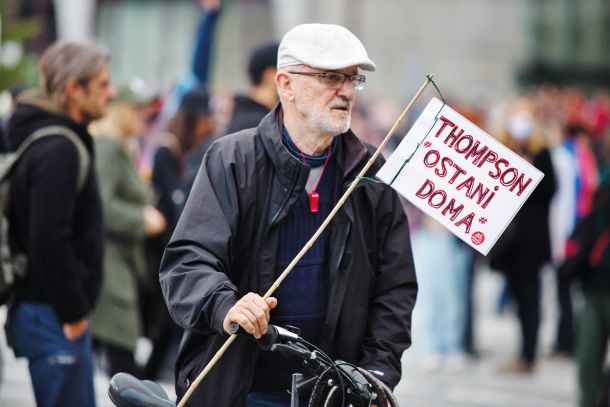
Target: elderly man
259, 196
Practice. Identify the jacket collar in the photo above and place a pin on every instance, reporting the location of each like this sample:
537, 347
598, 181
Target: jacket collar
35, 110
350, 150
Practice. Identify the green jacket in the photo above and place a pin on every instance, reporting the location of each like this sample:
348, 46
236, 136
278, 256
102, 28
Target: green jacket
116, 318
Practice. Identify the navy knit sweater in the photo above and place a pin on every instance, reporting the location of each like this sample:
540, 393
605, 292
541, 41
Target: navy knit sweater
302, 297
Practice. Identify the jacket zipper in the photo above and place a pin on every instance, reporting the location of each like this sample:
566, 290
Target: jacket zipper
327, 338
294, 183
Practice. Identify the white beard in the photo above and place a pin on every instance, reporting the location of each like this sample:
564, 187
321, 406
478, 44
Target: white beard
327, 124
323, 118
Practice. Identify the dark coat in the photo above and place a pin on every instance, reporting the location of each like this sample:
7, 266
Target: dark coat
172, 181
526, 243
167, 183
246, 114
599, 281
592, 239
225, 245
59, 229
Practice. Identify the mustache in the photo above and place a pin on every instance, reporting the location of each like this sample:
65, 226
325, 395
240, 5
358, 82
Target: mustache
342, 103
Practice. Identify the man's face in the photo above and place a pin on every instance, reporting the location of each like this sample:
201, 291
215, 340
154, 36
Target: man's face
325, 107
132, 119
95, 96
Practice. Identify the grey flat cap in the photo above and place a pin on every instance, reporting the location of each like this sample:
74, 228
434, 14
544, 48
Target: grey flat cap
323, 46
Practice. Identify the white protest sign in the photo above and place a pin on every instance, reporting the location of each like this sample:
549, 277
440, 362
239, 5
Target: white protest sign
461, 176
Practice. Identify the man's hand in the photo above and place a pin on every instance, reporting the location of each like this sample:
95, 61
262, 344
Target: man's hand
75, 330
251, 312
154, 221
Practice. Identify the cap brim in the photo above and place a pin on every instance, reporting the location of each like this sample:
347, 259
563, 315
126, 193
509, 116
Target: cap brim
367, 65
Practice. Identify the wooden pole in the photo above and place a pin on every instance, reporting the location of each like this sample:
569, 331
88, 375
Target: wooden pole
311, 241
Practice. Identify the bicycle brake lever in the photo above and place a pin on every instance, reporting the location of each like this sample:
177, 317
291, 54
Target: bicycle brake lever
361, 384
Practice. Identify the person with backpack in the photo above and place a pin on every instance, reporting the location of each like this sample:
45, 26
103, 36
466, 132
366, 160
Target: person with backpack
55, 219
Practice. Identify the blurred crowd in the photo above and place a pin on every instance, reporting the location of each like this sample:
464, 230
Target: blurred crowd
561, 229
148, 149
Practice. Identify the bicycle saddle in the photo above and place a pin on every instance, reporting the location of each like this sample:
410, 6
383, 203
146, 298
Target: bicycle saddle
127, 391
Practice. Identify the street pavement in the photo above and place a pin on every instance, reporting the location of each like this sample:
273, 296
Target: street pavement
478, 382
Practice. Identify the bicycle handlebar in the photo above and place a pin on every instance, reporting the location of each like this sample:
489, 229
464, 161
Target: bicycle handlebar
127, 391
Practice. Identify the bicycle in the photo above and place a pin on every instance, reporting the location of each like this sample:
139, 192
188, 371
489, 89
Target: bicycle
331, 383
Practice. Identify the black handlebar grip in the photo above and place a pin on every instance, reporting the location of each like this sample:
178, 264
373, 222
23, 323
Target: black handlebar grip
265, 341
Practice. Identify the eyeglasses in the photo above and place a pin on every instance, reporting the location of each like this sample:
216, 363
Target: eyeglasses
335, 79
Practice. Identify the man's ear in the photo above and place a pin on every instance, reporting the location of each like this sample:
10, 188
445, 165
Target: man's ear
285, 85
74, 91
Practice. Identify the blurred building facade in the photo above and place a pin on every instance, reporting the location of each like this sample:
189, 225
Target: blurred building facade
570, 42
473, 46
476, 48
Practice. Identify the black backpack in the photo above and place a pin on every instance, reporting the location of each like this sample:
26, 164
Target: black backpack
13, 265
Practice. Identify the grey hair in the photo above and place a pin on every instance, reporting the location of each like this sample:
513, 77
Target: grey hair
66, 61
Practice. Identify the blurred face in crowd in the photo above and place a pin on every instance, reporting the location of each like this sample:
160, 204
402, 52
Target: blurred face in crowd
520, 125
132, 119
89, 101
204, 127
324, 104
